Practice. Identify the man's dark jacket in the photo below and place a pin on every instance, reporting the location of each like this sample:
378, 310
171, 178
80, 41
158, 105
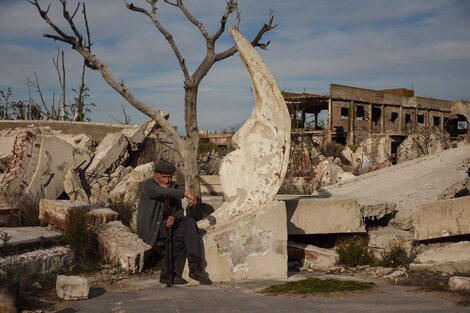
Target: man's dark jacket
151, 209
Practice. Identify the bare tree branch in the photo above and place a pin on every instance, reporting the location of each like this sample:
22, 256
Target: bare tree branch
255, 42
153, 16
190, 17
232, 5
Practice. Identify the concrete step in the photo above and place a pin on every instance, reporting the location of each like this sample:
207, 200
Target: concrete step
32, 237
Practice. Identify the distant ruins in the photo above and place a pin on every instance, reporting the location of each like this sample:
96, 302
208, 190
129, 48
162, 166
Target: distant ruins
348, 115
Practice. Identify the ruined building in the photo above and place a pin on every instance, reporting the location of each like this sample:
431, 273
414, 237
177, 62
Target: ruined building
350, 114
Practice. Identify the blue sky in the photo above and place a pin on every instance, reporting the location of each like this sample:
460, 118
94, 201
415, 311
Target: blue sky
377, 44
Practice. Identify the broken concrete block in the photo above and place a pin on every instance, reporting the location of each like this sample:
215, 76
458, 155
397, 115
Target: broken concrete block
57, 212
252, 247
127, 191
323, 216
384, 239
72, 287
118, 244
442, 219
73, 186
31, 236
451, 258
102, 216
39, 164
459, 283
312, 257
35, 265
110, 153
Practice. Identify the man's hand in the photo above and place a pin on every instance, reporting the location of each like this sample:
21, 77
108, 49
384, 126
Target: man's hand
192, 199
170, 220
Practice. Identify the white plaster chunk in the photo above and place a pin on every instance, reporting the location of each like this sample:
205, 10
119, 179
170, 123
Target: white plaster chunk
459, 283
451, 258
260, 161
255, 247
72, 287
442, 219
324, 216
312, 257
119, 245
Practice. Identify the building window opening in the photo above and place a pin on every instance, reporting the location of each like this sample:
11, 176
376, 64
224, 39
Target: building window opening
436, 120
376, 113
393, 117
344, 113
407, 118
360, 113
420, 119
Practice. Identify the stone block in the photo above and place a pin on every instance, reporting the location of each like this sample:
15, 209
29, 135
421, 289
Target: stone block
252, 247
384, 239
323, 216
442, 219
102, 216
73, 186
28, 237
459, 283
312, 257
72, 287
57, 212
111, 151
119, 245
451, 258
210, 185
41, 263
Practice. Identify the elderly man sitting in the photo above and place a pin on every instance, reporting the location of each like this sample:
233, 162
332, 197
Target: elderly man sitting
154, 223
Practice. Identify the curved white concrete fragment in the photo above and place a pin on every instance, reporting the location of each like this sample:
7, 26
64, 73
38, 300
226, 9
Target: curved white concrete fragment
253, 173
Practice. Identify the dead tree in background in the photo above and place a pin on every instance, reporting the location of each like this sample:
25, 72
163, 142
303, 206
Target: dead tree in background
187, 146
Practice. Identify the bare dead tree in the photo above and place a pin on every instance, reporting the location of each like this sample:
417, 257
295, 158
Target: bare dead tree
127, 118
187, 146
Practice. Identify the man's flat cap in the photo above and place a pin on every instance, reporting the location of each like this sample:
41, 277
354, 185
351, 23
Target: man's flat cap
164, 167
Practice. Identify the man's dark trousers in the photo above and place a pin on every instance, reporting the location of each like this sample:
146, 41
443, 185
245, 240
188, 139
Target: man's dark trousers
185, 240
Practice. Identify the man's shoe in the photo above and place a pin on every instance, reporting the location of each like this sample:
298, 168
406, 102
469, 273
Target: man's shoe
199, 275
176, 280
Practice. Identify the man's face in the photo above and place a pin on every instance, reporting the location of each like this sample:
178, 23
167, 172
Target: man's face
164, 180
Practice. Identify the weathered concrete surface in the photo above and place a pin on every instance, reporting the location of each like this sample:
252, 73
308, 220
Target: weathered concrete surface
72, 287
407, 184
97, 131
451, 258
39, 165
111, 152
263, 143
312, 257
57, 212
119, 245
323, 216
383, 239
253, 247
144, 294
73, 186
459, 283
442, 219
30, 266
32, 235
102, 216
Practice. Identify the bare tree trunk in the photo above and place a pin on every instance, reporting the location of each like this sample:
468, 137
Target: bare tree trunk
190, 153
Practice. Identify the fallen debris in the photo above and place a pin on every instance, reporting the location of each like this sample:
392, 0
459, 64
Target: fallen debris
72, 287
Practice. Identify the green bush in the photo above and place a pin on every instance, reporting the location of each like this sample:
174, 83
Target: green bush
394, 257
353, 252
